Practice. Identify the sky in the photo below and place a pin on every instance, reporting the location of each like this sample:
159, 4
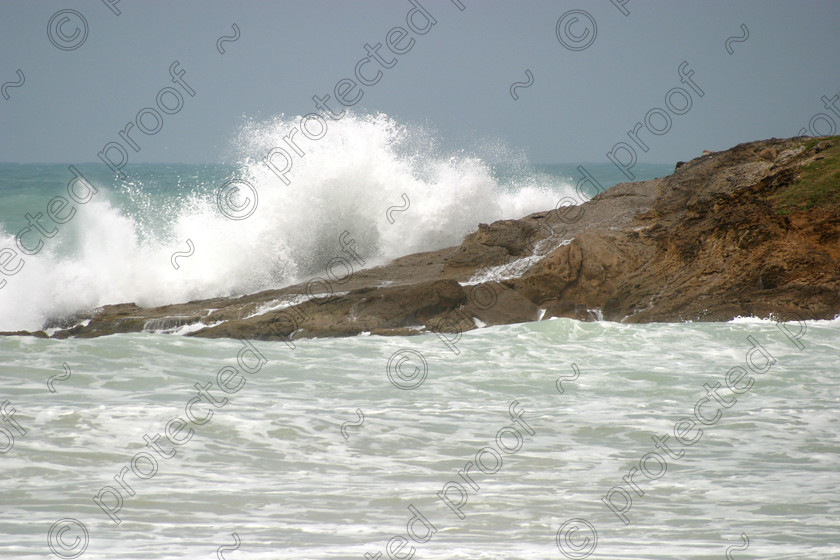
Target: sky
587, 73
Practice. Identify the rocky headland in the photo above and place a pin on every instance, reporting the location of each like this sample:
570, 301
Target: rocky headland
750, 231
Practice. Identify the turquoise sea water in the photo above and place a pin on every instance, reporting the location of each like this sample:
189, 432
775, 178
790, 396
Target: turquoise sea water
150, 189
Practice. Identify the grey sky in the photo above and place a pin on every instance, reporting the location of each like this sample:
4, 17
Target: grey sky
456, 77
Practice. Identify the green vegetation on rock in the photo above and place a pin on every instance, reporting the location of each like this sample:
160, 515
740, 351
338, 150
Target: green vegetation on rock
818, 183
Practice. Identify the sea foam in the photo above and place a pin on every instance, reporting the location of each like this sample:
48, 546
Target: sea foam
344, 182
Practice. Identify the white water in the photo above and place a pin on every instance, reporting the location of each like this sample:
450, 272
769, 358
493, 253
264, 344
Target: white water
273, 466
346, 181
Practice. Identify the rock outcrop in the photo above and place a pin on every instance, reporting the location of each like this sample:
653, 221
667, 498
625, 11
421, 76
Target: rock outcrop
751, 231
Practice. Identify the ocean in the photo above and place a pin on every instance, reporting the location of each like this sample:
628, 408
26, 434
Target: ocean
551, 439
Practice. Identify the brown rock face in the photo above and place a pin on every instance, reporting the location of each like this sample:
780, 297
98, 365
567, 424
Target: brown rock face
364, 310
751, 231
494, 245
713, 244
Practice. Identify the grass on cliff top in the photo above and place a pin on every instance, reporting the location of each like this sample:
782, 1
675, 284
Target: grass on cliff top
818, 183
